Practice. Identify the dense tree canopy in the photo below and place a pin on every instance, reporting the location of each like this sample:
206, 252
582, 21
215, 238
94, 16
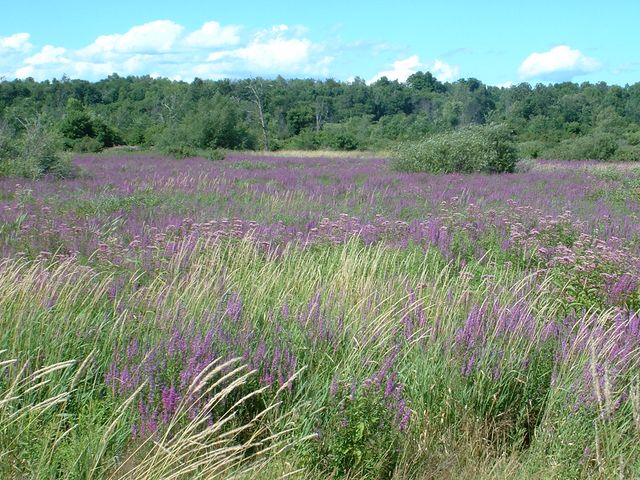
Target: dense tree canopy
562, 120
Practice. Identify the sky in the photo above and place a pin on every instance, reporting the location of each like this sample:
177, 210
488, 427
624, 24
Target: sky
499, 42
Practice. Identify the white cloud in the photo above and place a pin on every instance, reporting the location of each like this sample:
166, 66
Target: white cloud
166, 49
443, 71
212, 34
156, 36
403, 69
280, 49
92, 69
276, 53
560, 63
48, 54
24, 72
18, 42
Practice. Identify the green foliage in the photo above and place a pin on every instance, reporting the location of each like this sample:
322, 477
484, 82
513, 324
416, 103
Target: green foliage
596, 146
531, 149
86, 145
185, 151
487, 149
633, 136
178, 151
335, 137
33, 152
331, 137
77, 125
83, 133
8, 150
295, 113
299, 118
215, 124
215, 154
357, 437
627, 153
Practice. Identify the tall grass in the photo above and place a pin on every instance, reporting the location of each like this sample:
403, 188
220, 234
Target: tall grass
233, 360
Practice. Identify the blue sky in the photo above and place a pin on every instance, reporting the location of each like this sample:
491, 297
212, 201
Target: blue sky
500, 42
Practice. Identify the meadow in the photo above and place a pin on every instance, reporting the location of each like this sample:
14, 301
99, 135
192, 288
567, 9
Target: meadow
319, 317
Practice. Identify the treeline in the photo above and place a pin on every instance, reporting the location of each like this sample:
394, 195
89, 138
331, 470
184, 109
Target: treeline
564, 120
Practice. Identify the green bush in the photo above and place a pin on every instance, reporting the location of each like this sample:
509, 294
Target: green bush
81, 132
305, 140
34, 152
338, 139
487, 149
597, 146
86, 145
633, 138
178, 151
359, 436
531, 149
627, 153
217, 123
331, 137
215, 154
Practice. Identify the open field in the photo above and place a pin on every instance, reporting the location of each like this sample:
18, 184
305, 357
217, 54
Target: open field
319, 318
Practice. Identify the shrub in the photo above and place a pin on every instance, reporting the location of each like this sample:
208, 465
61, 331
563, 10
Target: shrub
531, 149
337, 139
33, 152
331, 137
627, 153
487, 149
81, 132
215, 154
178, 151
86, 144
305, 140
216, 123
361, 430
633, 137
598, 146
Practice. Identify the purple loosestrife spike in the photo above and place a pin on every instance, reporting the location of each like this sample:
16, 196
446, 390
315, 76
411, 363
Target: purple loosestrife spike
132, 349
468, 366
390, 386
234, 307
170, 401
333, 388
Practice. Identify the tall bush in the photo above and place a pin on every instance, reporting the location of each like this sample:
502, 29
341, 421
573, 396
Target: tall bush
32, 152
487, 149
596, 146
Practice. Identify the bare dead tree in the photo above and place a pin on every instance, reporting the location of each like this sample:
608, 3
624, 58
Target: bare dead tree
321, 112
166, 108
256, 88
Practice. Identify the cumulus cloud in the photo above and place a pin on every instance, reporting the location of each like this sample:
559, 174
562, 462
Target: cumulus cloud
212, 35
276, 50
403, 69
18, 42
49, 57
156, 36
165, 48
443, 71
560, 63
49, 54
